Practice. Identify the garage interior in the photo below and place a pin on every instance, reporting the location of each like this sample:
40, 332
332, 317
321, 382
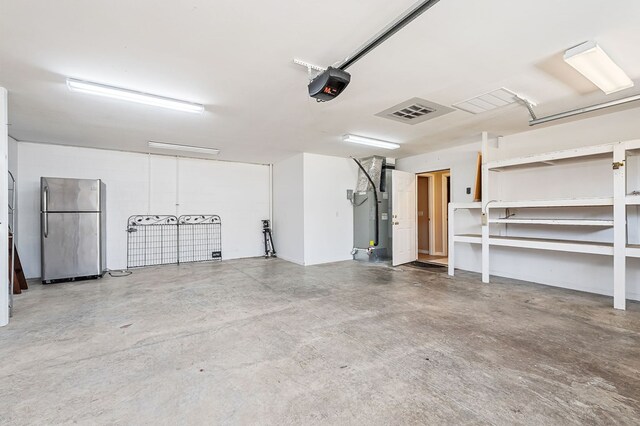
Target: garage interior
339, 213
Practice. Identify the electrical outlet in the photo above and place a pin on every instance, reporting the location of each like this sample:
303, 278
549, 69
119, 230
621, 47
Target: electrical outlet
469, 190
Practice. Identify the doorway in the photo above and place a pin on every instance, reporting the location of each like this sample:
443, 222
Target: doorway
434, 195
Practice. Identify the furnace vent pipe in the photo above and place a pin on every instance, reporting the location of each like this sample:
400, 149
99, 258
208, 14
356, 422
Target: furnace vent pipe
375, 197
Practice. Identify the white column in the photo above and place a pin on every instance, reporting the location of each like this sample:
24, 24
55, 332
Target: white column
619, 226
4, 207
485, 209
452, 244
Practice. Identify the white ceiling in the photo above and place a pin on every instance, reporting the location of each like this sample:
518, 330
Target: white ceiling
236, 58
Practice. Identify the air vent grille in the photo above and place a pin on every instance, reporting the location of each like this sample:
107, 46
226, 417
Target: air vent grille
489, 101
414, 111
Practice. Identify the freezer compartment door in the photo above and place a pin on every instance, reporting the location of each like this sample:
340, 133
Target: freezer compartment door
71, 245
70, 195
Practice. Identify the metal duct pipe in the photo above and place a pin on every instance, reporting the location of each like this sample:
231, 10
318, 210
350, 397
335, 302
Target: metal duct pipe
375, 197
584, 110
386, 33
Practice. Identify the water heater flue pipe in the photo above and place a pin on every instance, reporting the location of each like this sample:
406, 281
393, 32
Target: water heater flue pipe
375, 197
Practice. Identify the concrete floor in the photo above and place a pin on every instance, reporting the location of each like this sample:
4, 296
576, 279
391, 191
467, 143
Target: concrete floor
260, 341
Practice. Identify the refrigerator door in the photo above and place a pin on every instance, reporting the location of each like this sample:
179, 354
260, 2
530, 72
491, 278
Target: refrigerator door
70, 195
71, 245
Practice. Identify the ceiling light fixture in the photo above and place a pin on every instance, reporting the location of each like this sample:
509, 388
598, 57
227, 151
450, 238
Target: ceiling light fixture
190, 148
592, 62
132, 96
370, 142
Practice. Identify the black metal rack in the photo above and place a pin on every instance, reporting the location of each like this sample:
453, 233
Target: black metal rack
200, 238
167, 239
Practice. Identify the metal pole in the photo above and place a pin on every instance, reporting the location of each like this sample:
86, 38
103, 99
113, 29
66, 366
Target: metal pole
583, 110
12, 267
390, 30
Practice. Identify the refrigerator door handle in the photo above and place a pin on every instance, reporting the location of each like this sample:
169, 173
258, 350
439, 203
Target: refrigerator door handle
45, 208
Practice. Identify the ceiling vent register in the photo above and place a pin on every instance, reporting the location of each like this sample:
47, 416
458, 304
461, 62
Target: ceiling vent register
490, 101
414, 111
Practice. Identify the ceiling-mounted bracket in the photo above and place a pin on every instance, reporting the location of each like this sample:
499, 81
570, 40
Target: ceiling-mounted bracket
312, 69
527, 103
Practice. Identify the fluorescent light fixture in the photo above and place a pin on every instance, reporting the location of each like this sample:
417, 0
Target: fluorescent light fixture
190, 148
370, 142
591, 61
131, 95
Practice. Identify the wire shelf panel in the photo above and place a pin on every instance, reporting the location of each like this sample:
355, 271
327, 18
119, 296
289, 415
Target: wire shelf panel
152, 240
165, 239
200, 238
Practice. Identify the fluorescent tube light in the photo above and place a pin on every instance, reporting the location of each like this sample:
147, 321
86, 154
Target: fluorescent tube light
592, 62
190, 148
370, 142
131, 95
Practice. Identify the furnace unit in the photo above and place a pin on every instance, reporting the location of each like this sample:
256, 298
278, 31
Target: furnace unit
371, 202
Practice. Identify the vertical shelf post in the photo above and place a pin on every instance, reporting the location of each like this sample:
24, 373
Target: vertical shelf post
485, 209
619, 226
452, 245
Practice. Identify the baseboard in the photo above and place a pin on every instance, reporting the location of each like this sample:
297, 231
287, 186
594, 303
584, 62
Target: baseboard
423, 251
288, 259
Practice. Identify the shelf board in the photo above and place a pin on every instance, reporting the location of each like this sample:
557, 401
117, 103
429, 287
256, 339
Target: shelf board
572, 202
572, 246
632, 200
473, 205
632, 147
551, 158
565, 222
633, 250
468, 238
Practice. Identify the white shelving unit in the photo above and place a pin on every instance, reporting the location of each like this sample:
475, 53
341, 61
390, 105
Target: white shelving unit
461, 238
617, 247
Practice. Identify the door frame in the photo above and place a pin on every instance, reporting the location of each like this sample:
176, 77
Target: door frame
431, 196
430, 175
445, 213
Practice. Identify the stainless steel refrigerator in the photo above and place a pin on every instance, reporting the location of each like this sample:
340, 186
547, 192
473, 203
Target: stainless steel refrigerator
73, 224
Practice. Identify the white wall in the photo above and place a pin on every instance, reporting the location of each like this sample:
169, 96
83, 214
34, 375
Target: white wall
461, 160
237, 192
312, 217
288, 209
4, 264
575, 271
142, 184
328, 214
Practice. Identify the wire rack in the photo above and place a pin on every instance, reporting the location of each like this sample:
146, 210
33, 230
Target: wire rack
152, 240
200, 238
165, 239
